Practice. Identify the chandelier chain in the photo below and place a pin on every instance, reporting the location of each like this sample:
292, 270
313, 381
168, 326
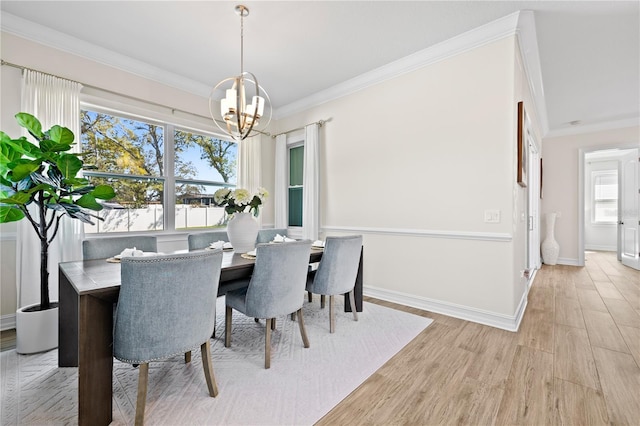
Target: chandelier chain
241, 42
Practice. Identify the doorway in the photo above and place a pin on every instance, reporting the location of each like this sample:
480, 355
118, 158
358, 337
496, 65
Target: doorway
608, 201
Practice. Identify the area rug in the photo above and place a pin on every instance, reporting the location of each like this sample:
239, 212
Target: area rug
301, 386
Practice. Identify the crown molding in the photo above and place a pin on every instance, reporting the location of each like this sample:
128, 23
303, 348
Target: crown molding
46, 36
485, 34
528, 41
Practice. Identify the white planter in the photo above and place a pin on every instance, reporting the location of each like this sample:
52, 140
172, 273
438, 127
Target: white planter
242, 230
550, 248
36, 331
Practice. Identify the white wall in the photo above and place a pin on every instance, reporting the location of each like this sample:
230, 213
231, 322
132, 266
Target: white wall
561, 180
10, 85
412, 163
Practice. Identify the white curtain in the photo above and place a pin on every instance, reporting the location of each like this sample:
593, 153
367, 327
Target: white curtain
280, 190
311, 184
249, 165
51, 100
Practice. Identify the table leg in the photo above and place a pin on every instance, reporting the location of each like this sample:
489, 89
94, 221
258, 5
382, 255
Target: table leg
95, 369
357, 290
67, 323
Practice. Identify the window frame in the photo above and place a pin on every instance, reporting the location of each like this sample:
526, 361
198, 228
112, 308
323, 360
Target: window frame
294, 141
595, 201
169, 180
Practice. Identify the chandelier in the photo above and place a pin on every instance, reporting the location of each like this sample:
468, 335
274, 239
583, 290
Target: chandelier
241, 120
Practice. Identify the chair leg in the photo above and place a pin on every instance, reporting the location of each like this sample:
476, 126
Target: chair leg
303, 331
352, 300
227, 326
143, 381
205, 350
293, 316
273, 323
322, 299
310, 296
187, 357
213, 335
267, 344
332, 317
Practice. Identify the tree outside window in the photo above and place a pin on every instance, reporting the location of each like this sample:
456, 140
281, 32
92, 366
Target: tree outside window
131, 155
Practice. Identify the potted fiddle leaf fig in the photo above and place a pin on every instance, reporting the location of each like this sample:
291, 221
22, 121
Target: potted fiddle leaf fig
40, 183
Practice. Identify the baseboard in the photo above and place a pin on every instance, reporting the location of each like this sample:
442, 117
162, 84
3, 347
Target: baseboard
569, 262
7, 322
505, 322
600, 248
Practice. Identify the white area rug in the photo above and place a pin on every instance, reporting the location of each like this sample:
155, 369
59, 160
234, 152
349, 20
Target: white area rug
301, 386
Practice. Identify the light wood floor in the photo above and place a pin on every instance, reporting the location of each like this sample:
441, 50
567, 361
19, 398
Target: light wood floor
574, 361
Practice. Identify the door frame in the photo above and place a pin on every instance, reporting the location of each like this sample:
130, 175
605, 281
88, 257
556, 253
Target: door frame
626, 216
534, 259
581, 185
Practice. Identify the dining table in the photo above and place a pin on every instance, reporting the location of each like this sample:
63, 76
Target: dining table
88, 292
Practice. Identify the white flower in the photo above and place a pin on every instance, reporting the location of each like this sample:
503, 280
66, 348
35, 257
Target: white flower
262, 193
241, 196
220, 195
238, 200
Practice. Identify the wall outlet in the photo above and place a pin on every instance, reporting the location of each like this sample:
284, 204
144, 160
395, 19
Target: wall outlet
492, 216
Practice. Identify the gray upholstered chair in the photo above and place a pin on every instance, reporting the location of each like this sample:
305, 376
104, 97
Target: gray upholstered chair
266, 235
166, 307
276, 288
202, 240
337, 272
103, 248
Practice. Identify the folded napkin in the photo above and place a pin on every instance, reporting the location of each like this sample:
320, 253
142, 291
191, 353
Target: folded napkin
217, 244
130, 252
224, 245
318, 243
281, 239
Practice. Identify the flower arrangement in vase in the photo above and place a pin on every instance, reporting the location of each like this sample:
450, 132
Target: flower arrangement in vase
237, 200
242, 228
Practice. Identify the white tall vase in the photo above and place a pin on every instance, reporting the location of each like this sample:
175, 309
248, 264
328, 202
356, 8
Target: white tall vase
550, 247
242, 230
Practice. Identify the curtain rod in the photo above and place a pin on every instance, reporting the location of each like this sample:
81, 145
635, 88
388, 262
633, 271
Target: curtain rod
173, 110
319, 122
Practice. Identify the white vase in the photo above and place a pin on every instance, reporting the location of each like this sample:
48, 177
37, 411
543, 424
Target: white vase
550, 247
36, 331
242, 230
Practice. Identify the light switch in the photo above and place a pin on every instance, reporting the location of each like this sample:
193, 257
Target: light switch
492, 216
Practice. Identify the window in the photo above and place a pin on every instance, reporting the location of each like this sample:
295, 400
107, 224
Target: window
605, 196
164, 176
296, 164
